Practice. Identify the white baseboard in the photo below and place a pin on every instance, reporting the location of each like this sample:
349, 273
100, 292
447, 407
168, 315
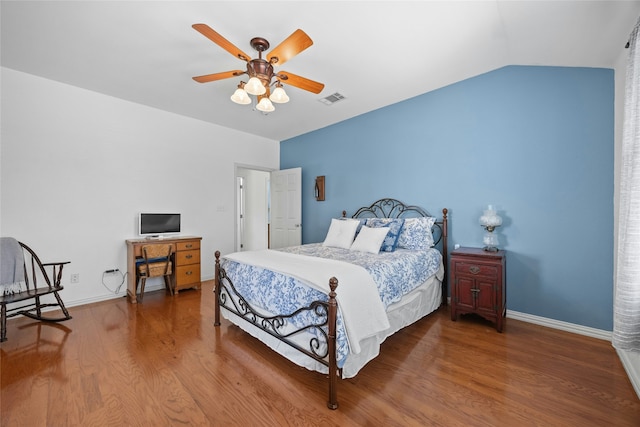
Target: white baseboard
557, 324
106, 297
122, 293
631, 362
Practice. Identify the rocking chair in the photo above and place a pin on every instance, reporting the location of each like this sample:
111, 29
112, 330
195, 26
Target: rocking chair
24, 277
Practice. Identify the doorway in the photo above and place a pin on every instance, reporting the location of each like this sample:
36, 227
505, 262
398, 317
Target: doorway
252, 209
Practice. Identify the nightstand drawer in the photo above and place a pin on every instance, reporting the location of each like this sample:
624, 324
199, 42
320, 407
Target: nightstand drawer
476, 269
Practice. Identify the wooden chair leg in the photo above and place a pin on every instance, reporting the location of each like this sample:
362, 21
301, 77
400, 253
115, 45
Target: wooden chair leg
169, 286
3, 333
67, 316
38, 310
143, 282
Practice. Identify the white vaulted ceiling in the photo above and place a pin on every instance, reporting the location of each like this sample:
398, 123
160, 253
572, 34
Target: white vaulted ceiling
375, 53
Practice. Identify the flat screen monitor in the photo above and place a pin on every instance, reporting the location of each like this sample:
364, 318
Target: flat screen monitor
158, 224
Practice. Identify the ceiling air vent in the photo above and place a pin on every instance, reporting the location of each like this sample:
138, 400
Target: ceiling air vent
332, 99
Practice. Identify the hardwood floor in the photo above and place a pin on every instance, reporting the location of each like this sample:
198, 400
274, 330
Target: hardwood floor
163, 363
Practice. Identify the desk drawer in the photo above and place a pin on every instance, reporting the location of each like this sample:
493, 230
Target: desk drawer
187, 274
188, 257
188, 245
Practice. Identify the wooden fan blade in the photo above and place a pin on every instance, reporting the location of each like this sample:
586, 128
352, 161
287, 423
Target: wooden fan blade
300, 82
290, 47
212, 35
218, 76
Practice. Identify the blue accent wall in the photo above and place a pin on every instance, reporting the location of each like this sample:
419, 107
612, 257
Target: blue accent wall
537, 142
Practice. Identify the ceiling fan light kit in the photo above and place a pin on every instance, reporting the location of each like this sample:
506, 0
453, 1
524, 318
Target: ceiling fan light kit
265, 105
279, 96
240, 96
260, 71
255, 87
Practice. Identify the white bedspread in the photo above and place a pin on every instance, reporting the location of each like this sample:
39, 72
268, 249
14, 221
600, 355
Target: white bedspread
358, 298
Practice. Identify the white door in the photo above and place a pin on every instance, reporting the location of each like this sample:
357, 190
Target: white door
286, 208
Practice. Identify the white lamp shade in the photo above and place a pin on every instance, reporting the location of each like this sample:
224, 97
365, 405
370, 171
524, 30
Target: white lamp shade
490, 217
255, 87
265, 105
240, 97
279, 96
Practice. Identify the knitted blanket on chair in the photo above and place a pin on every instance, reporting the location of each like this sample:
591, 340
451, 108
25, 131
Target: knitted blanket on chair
11, 266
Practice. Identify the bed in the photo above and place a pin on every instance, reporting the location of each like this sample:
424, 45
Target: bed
329, 306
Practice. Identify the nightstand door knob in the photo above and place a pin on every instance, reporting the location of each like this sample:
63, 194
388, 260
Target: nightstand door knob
474, 269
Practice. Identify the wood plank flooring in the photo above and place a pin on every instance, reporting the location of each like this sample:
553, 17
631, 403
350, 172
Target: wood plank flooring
163, 363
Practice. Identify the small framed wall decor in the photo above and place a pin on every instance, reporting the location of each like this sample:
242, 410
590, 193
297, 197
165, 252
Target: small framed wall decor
319, 188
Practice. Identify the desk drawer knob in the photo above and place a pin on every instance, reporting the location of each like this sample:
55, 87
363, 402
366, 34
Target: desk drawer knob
188, 245
474, 269
189, 256
189, 273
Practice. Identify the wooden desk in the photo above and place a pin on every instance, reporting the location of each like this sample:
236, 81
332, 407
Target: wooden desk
186, 262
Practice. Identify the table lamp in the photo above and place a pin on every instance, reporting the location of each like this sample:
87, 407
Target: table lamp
489, 221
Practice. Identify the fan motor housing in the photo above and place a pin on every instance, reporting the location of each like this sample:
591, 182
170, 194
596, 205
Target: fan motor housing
261, 69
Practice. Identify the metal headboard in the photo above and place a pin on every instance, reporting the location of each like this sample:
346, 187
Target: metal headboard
393, 208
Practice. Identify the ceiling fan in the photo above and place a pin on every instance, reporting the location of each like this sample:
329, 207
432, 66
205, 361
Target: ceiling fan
262, 75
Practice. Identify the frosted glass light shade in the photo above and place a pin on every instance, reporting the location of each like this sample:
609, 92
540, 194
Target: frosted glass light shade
490, 218
265, 105
255, 87
240, 97
279, 96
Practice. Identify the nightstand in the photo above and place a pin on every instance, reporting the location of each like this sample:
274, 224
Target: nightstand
477, 280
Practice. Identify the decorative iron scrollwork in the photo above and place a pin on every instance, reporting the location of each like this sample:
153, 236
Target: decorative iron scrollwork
281, 326
393, 208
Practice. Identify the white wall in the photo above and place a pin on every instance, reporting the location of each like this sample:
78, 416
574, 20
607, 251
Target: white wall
77, 167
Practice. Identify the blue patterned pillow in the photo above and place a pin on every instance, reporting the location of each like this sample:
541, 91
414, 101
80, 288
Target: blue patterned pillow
395, 227
416, 233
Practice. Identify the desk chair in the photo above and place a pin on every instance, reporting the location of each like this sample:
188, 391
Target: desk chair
155, 262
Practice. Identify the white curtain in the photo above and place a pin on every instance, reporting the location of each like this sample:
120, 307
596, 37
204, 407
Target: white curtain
626, 307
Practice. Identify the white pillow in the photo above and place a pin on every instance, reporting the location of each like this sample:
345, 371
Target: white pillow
341, 232
370, 239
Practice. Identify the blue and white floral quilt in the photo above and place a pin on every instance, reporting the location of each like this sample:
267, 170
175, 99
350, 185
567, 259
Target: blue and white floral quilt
394, 274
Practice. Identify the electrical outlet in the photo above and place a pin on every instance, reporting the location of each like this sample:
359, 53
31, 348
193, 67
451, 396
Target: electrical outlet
75, 278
